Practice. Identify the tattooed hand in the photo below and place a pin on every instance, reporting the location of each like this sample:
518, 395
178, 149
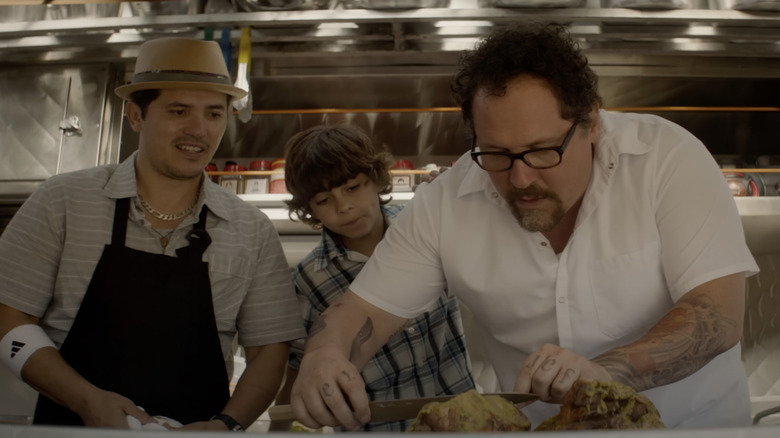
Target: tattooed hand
551, 370
329, 390
326, 391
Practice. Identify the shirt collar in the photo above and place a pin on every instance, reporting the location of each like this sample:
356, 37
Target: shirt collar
122, 184
328, 249
213, 196
472, 178
617, 137
331, 248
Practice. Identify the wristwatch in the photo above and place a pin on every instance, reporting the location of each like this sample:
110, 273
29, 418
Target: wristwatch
229, 422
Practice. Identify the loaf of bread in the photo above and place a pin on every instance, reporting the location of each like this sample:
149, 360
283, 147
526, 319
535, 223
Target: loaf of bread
470, 412
603, 405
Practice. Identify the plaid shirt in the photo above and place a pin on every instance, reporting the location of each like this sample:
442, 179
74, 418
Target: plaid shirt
428, 358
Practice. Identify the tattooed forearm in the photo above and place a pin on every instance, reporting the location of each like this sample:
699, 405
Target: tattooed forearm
319, 324
683, 341
361, 338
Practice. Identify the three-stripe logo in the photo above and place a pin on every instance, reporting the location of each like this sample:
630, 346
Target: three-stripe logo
15, 347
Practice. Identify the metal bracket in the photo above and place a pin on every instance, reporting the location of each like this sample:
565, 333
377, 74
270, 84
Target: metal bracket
70, 126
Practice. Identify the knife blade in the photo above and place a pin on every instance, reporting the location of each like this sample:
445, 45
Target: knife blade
391, 410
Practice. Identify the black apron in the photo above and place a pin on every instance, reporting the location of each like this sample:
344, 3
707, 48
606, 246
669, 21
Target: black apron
146, 330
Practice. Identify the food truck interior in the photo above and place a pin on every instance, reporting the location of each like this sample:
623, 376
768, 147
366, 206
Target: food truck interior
386, 67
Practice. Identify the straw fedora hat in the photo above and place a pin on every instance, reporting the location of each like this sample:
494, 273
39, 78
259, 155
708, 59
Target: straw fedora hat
180, 63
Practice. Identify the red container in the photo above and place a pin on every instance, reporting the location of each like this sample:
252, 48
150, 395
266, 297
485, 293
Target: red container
233, 167
212, 167
403, 164
741, 184
260, 165
277, 179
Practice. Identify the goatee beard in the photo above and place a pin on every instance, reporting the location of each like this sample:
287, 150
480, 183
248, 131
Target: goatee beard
536, 220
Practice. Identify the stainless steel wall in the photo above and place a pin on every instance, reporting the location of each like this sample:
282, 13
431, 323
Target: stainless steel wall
54, 119
414, 115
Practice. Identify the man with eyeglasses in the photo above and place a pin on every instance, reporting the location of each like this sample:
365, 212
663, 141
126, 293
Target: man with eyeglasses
567, 232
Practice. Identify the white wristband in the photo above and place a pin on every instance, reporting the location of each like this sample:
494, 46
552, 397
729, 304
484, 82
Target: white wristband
20, 343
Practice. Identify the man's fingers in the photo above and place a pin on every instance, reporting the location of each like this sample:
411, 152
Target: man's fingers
142, 416
354, 389
349, 402
327, 405
311, 412
523, 382
562, 383
343, 414
544, 376
539, 372
550, 372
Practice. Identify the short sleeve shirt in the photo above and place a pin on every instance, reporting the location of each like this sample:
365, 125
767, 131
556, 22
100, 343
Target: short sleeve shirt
657, 220
52, 245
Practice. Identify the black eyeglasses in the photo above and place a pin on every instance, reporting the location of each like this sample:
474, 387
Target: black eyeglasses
541, 158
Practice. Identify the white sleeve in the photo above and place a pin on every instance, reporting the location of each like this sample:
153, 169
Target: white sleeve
700, 228
404, 275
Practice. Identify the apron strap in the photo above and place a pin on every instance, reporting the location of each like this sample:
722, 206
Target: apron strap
121, 211
199, 238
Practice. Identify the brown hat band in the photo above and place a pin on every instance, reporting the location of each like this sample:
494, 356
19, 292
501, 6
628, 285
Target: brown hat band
180, 76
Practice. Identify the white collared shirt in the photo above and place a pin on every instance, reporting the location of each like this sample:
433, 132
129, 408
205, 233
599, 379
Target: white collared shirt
656, 221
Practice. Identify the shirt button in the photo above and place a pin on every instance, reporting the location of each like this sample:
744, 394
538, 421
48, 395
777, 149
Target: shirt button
544, 243
411, 330
494, 195
561, 300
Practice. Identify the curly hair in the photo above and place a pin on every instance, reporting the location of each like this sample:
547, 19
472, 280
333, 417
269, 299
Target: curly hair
327, 156
545, 51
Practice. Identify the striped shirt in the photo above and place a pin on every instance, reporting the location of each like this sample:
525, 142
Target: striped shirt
51, 247
428, 358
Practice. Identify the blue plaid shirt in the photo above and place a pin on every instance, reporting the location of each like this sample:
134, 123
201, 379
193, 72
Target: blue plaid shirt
428, 358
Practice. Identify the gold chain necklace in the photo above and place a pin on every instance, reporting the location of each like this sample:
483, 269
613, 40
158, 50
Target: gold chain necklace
163, 216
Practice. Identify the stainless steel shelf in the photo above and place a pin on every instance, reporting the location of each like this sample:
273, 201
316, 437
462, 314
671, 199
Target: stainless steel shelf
277, 34
760, 218
297, 19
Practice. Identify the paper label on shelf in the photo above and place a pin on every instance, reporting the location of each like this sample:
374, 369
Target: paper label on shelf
230, 184
256, 185
402, 183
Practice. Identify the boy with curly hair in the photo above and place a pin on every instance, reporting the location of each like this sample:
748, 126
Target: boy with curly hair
337, 178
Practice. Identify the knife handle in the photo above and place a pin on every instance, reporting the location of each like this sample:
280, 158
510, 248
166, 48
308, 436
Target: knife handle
281, 413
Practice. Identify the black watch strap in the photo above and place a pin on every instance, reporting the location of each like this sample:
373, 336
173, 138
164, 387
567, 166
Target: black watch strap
229, 421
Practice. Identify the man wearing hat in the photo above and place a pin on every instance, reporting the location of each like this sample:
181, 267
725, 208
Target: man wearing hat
123, 286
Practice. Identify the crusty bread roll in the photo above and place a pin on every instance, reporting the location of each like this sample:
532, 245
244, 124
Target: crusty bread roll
470, 412
603, 405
